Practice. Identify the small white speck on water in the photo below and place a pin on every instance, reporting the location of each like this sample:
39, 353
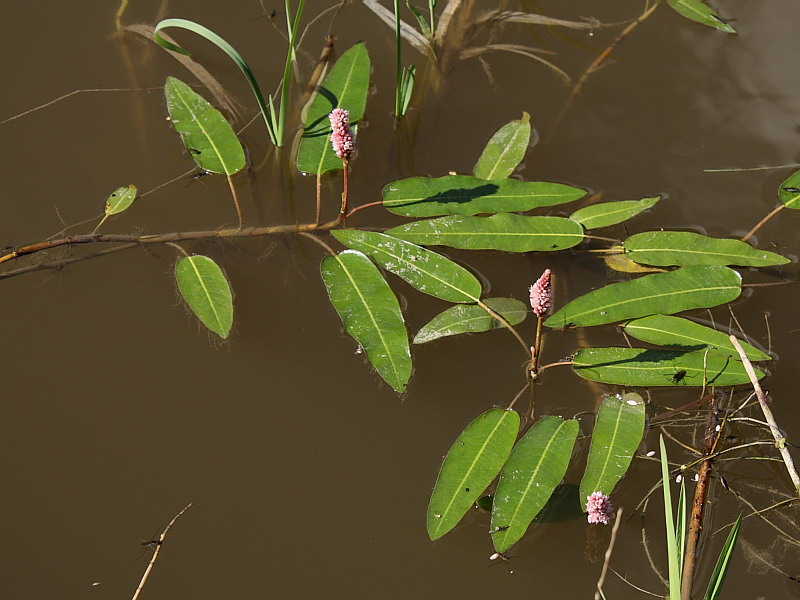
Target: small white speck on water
717, 428
679, 478
494, 556
651, 453
632, 402
697, 476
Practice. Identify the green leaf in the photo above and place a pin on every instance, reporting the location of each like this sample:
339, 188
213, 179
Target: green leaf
207, 292
120, 199
427, 271
505, 149
207, 135
472, 318
370, 313
534, 469
423, 24
686, 335
465, 195
789, 192
696, 10
509, 232
472, 463
647, 368
723, 562
684, 248
618, 431
346, 86
661, 293
611, 213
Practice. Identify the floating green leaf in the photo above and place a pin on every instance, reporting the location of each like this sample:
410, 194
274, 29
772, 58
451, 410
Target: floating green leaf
207, 292
472, 463
207, 135
789, 192
505, 150
427, 271
617, 261
370, 312
472, 318
686, 335
700, 12
618, 431
346, 86
509, 232
646, 368
120, 199
534, 469
685, 248
611, 213
465, 195
661, 293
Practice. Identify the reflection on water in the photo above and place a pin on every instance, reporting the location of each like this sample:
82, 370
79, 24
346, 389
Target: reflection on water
310, 477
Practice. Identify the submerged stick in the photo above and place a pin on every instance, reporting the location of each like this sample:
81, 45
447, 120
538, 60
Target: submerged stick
158, 544
780, 440
599, 593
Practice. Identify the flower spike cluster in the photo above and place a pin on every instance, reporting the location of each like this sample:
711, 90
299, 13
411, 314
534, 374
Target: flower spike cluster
541, 294
599, 508
342, 138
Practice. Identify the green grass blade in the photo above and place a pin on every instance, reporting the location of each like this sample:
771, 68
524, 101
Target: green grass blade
672, 542
721, 568
237, 58
680, 525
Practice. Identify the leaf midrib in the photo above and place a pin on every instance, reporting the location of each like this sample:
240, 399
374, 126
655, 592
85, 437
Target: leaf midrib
221, 158
192, 262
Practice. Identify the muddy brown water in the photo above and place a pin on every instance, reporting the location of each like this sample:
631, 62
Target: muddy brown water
309, 478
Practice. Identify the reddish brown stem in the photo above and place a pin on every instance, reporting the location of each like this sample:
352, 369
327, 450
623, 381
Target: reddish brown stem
763, 221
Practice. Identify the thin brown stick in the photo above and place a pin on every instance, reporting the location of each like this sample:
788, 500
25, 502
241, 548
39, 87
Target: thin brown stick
761, 223
598, 62
780, 439
159, 543
599, 593
346, 192
319, 200
518, 396
699, 504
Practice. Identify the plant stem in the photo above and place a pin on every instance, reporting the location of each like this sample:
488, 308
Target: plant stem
311, 236
607, 560
100, 224
319, 199
398, 58
236, 202
699, 503
761, 223
518, 396
780, 439
158, 545
507, 325
346, 191
537, 346
358, 208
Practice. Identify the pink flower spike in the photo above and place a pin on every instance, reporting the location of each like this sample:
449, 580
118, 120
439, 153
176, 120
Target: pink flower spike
599, 508
541, 294
342, 138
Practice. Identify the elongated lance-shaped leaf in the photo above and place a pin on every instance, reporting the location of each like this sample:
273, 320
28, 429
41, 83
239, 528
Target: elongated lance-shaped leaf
661, 293
698, 11
505, 150
789, 192
120, 199
534, 469
686, 335
370, 313
472, 463
605, 214
465, 195
509, 232
723, 562
207, 292
427, 271
346, 86
649, 368
685, 248
472, 318
618, 431
207, 135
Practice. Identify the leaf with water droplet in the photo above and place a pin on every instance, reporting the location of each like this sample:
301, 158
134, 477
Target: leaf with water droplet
120, 199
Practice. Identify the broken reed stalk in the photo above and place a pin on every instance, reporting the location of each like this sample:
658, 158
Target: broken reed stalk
159, 543
699, 504
780, 440
599, 593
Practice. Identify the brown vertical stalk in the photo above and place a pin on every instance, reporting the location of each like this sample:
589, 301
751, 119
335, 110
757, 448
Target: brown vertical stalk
699, 504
